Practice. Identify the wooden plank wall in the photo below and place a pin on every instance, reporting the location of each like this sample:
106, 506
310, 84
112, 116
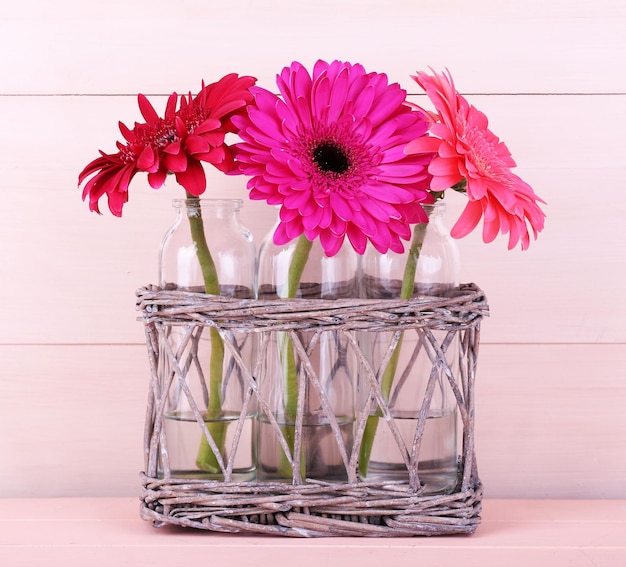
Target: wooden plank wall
549, 74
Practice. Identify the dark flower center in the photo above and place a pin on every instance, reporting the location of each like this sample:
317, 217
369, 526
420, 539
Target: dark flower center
331, 158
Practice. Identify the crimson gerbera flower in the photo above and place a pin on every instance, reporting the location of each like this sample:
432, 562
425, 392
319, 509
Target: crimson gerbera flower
470, 154
330, 152
176, 143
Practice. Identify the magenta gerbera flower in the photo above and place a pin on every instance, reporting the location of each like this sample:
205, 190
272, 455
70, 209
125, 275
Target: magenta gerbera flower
330, 152
470, 154
176, 143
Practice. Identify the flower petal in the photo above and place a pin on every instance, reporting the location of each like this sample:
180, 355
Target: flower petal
193, 178
331, 146
469, 150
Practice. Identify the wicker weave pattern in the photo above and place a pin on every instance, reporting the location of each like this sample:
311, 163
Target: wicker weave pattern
309, 508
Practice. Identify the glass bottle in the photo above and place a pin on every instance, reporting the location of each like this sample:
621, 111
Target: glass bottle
328, 400
206, 392
412, 369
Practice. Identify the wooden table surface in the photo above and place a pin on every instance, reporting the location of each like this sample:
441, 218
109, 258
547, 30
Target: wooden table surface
96, 532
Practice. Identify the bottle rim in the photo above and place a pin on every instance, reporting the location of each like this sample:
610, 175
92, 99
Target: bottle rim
439, 205
205, 202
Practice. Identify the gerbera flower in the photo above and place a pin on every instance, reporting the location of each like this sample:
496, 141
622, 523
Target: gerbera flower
176, 143
330, 152
469, 154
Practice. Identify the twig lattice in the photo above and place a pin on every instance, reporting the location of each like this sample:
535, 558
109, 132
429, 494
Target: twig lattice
309, 508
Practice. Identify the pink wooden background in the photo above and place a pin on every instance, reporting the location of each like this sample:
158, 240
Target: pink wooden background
551, 77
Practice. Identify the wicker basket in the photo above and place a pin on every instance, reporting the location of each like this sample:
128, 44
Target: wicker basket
310, 508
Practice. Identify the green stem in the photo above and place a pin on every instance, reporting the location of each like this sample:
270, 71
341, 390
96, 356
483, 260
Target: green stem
294, 276
406, 292
207, 265
298, 262
296, 268
206, 459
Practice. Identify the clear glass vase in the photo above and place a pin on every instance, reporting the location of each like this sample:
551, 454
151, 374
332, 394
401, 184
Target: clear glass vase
306, 376
208, 407
414, 382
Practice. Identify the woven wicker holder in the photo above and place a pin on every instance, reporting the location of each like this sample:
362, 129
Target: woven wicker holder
310, 508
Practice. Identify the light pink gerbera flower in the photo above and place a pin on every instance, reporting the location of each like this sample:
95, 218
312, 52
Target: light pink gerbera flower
330, 152
467, 151
176, 143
